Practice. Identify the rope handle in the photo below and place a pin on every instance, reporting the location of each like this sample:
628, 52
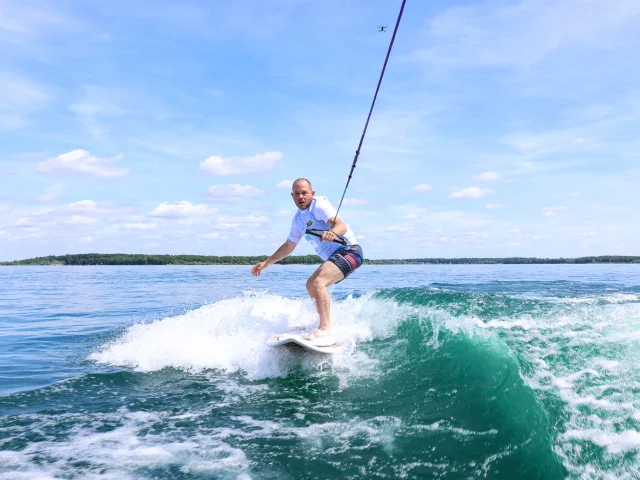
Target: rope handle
318, 233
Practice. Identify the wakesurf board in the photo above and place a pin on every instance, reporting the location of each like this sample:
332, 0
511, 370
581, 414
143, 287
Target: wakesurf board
328, 344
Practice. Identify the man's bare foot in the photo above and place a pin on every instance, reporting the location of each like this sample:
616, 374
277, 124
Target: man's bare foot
317, 334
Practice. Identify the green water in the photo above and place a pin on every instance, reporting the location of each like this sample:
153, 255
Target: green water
455, 375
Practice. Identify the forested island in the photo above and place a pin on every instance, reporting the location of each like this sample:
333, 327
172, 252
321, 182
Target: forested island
141, 259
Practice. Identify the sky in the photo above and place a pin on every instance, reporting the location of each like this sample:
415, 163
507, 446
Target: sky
502, 128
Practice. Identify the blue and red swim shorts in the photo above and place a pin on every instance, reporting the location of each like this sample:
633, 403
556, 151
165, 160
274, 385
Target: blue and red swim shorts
347, 259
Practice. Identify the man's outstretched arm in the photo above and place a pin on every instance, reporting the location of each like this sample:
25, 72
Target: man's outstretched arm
285, 249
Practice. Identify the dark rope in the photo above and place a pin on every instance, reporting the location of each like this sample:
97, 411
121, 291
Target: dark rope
364, 132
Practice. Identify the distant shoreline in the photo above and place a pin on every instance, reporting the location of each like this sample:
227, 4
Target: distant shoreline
142, 259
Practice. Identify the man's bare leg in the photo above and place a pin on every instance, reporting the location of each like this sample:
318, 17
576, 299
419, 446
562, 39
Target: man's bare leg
327, 274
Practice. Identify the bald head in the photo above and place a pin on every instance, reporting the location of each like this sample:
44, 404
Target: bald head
301, 183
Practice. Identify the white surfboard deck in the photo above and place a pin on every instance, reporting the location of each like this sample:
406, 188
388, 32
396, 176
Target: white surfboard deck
296, 339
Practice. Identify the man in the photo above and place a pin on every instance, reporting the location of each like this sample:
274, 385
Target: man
339, 261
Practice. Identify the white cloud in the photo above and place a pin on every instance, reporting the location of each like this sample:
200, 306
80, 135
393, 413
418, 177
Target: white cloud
82, 162
50, 194
285, 184
99, 101
470, 192
30, 155
237, 222
228, 226
244, 219
396, 228
283, 213
233, 192
372, 188
521, 33
476, 234
5, 208
80, 220
181, 209
216, 165
140, 226
19, 99
538, 144
587, 234
410, 216
83, 207
355, 202
513, 230
549, 211
487, 177
48, 198
84, 212
215, 236
423, 187
18, 92
495, 206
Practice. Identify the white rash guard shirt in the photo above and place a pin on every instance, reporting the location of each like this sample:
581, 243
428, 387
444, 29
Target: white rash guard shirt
316, 216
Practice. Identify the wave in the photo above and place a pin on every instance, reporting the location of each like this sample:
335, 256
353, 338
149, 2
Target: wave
546, 381
433, 369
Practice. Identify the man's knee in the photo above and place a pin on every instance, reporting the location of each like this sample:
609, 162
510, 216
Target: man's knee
321, 282
310, 284
315, 283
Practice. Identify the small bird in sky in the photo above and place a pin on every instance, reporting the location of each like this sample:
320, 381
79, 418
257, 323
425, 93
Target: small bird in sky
382, 29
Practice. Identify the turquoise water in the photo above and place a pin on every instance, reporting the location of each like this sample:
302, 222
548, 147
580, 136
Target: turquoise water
468, 371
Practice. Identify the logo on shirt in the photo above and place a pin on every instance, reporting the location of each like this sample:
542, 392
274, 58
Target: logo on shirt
309, 223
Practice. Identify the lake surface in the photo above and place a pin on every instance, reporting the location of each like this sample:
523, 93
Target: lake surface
448, 371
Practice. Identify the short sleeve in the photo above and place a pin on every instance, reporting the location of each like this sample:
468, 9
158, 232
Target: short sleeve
295, 235
324, 210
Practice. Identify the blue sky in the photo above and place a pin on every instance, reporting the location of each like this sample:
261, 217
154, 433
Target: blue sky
502, 128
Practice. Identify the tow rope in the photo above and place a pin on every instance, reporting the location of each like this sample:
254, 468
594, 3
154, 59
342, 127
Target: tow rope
364, 132
318, 233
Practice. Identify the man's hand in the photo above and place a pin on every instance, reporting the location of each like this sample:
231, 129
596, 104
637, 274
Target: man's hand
328, 236
258, 267
285, 249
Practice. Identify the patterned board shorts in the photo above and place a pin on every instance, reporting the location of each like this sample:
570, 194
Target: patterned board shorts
347, 259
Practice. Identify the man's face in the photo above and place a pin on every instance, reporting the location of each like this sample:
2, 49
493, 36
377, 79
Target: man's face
302, 195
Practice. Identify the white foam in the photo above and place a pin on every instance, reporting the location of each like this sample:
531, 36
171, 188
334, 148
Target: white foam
121, 452
567, 381
628, 440
325, 437
609, 298
446, 427
597, 392
376, 431
230, 335
505, 324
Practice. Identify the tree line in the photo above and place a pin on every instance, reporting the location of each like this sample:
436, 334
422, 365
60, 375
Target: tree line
141, 259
